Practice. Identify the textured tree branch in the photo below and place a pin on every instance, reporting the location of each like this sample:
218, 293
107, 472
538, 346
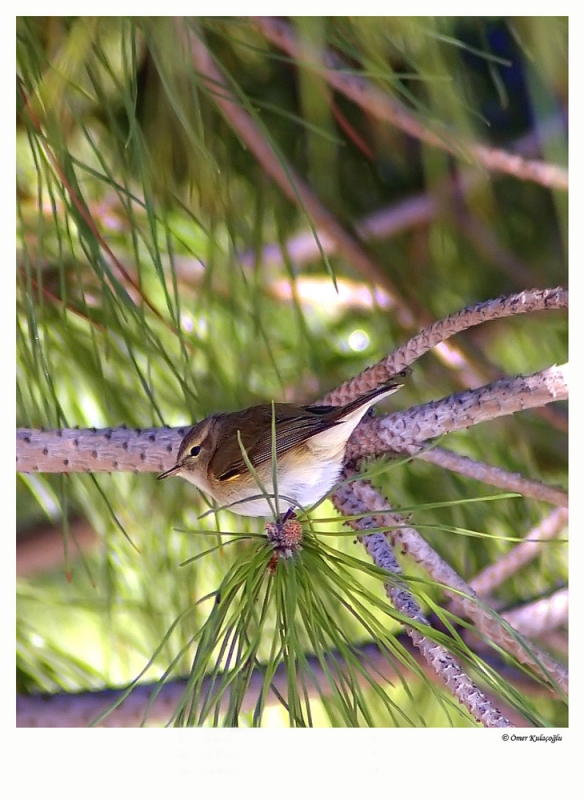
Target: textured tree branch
151, 449
348, 500
526, 302
403, 431
494, 476
96, 450
358, 497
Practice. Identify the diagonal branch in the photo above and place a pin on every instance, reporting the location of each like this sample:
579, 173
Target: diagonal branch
276, 166
525, 302
378, 103
407, 430
510, 563
347, 500
493, 476
359, 497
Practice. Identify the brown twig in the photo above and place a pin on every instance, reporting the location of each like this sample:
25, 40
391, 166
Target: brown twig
276, 166
151, 703
84, 212
510, 563
375, 101
544, 615
493, 476
292, 185
415, 211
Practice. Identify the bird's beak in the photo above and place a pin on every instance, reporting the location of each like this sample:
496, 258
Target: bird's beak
169, 472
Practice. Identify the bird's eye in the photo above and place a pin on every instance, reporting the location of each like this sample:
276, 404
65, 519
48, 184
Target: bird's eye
194, 451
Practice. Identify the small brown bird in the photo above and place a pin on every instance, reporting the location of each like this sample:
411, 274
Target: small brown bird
309, 442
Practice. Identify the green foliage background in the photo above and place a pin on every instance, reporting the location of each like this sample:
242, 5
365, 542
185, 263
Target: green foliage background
147, 296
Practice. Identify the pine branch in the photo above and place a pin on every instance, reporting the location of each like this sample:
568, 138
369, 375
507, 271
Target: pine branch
151, 450
113, 211
493, 476
525, 302
510, 563
352, 498
291, 184
359, 497
541, 616
379, 104
401, 432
